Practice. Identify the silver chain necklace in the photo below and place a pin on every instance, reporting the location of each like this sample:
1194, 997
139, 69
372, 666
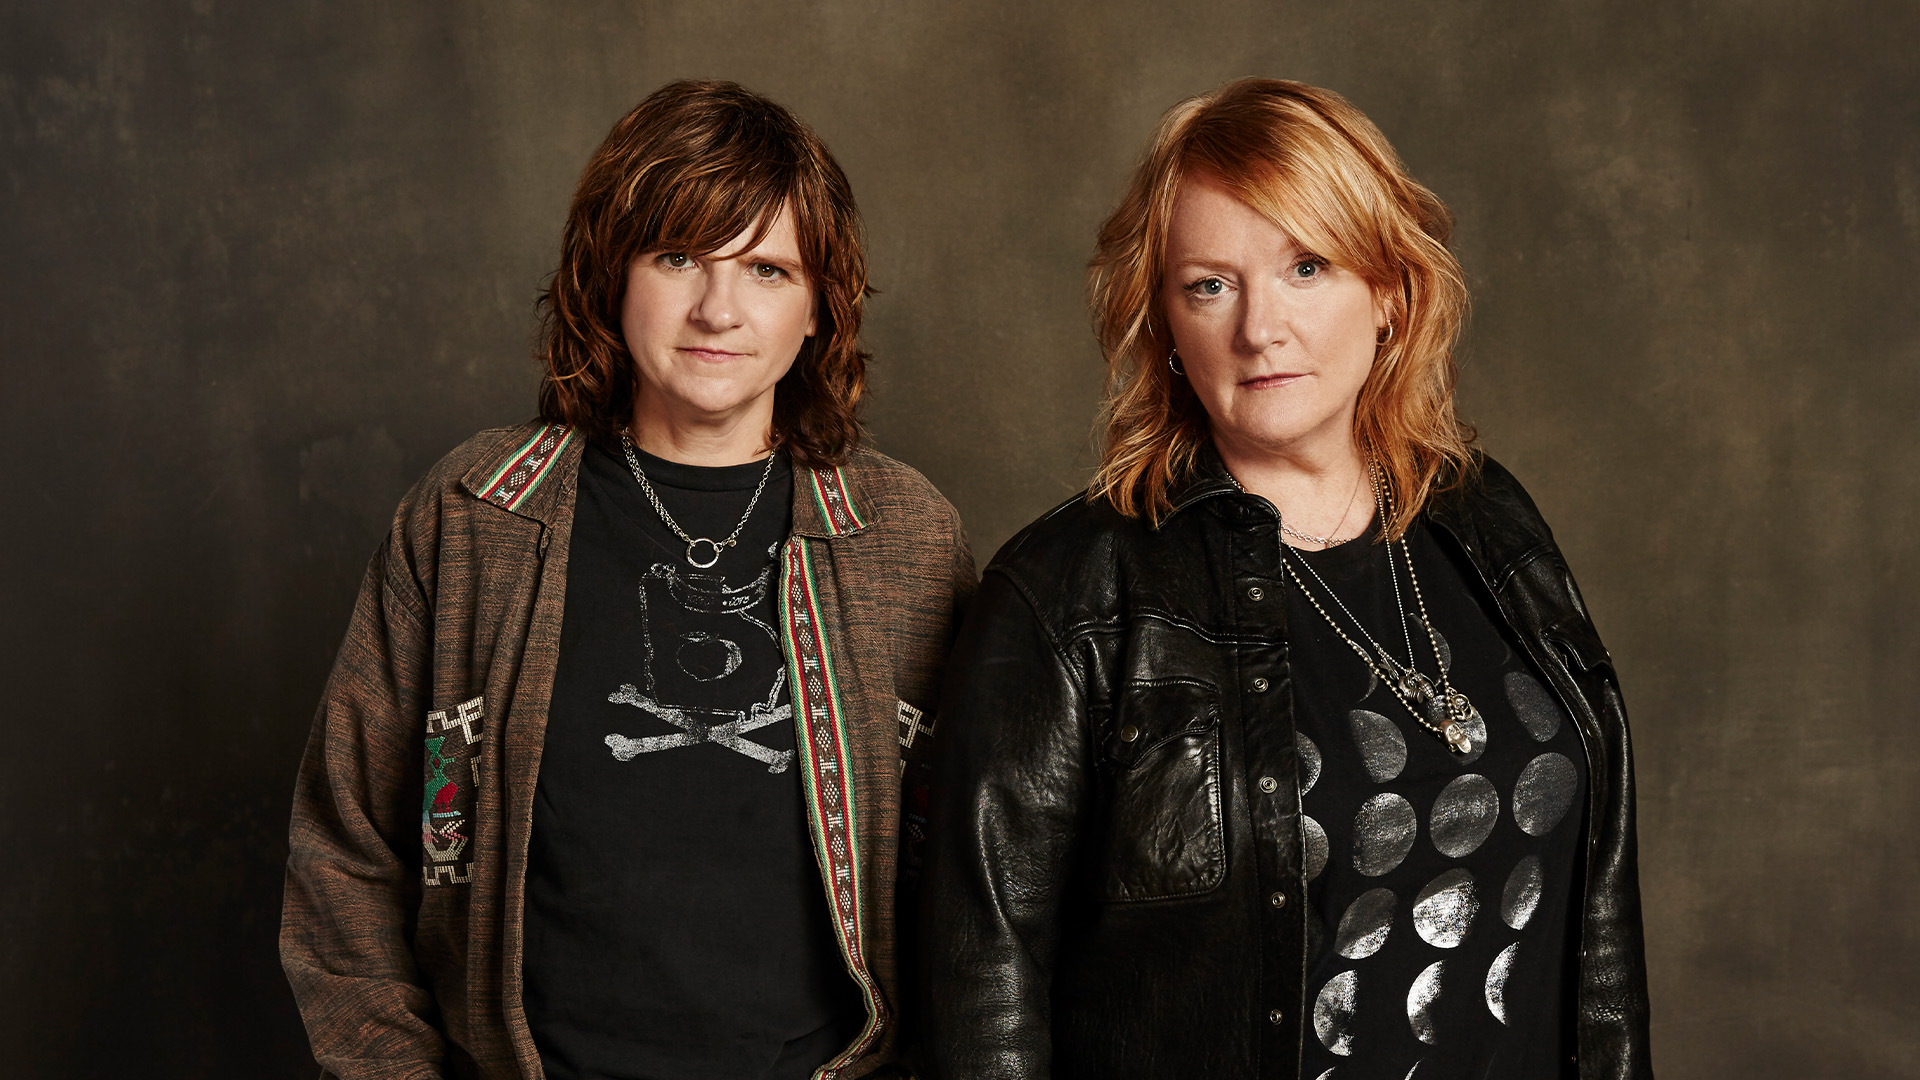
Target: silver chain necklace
1323, 541
1329, 540
1447, 712
693, 542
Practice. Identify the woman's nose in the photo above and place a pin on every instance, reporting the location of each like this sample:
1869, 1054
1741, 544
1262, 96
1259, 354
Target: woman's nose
719, 302
1263, 317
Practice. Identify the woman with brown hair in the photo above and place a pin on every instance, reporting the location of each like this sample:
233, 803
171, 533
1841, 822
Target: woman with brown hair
1289, 749
607, 778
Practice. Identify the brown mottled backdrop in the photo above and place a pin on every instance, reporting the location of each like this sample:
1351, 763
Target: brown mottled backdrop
262, 263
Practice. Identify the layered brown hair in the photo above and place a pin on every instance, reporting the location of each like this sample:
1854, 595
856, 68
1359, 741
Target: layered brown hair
1318, 168
690, 168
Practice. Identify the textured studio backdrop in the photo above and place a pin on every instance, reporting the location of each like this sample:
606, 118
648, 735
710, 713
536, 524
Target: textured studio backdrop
263, 263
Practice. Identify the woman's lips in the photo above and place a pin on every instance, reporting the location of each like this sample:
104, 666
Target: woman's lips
1268, 382
711, 355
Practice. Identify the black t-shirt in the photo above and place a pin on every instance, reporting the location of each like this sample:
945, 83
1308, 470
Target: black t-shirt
676, 926
1440, 883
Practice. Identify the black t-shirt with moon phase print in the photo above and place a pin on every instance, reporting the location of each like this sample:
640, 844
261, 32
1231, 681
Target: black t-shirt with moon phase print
1440, 884
676, 926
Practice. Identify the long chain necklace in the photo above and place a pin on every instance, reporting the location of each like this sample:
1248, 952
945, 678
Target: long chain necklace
693, 542
1446, 712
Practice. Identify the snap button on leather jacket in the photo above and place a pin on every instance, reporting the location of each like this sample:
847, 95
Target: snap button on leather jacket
1104, 896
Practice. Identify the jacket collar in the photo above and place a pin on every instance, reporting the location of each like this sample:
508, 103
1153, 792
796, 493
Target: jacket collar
832, 502
518, 476
1206, 477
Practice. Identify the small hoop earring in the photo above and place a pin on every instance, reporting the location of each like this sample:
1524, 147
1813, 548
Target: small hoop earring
1173, 363
1377, 340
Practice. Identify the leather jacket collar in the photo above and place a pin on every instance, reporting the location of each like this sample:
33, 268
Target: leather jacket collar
1207, 477
1498, 529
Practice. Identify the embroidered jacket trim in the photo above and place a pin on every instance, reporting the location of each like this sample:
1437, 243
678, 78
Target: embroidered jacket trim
526, 467
835, 499
824, 757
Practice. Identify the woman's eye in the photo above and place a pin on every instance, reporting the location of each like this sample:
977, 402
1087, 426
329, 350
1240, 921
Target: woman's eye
1309, 267
677, 260
767, 271
1212, 286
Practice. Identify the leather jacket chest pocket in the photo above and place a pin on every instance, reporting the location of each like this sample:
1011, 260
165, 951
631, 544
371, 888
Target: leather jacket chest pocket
1160, 761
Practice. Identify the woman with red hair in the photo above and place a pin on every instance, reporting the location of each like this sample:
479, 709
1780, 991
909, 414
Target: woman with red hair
1289, 749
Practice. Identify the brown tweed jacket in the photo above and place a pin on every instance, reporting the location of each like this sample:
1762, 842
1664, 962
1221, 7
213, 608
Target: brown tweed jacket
401, 932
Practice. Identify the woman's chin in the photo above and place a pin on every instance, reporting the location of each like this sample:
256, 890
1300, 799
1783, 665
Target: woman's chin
715, 397
1278, 435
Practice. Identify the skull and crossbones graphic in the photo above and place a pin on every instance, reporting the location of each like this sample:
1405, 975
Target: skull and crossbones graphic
716, 625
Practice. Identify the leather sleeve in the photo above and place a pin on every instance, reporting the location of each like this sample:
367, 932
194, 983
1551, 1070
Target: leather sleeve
1613, 1019
1542, 597
1009, 803
354, 861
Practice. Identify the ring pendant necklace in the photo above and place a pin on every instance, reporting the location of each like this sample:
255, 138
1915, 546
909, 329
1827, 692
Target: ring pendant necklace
693, 542
1446, 712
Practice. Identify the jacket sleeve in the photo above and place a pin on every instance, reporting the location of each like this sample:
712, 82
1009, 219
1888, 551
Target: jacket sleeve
946, 582
1613, 1015
1009, 803
936, 589
353, 871
920, 656
1613, 1008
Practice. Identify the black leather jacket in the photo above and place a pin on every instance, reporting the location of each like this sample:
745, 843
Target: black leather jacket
1097, 906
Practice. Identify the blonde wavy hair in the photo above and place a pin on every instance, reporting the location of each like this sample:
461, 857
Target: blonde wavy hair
1315, 166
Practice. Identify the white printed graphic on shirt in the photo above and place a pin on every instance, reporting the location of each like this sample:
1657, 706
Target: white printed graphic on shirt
718, 636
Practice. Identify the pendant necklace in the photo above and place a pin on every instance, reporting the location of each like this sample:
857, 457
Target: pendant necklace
693, 542
1444, 711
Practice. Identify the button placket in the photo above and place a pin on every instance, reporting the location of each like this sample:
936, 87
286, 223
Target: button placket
1262, 616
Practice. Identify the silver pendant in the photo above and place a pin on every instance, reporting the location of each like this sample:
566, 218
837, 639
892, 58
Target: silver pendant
1459, 713
1416, 687
1440, 720
696, 542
